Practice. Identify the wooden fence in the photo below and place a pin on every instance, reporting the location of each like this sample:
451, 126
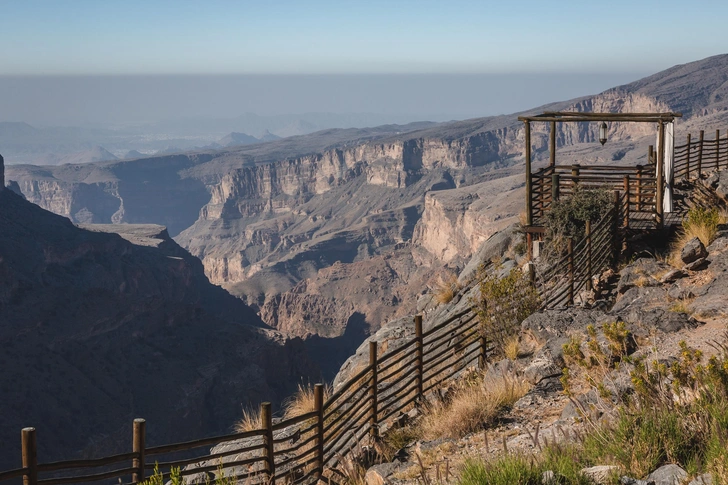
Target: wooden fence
695, 157
638, 183
300, 449
598, 250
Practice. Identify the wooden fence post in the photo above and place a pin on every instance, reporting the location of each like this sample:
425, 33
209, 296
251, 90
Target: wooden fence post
30, 456
616, 246
687, 160
588, 255
552, 143
318, 402
266, 421
373, 427
575, 170
700, 153
639, 188
554, 188
717, 149
419, 352
570, 249
138, 444
626, 201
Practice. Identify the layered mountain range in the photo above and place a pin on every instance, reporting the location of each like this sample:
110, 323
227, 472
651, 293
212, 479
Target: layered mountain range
349, 227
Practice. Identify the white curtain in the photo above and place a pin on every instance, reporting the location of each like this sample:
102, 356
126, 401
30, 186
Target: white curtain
667, 168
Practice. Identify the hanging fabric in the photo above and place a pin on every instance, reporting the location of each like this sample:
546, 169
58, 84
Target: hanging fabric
668, 167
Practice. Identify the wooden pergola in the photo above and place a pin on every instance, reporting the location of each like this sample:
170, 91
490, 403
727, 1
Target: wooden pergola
553, 117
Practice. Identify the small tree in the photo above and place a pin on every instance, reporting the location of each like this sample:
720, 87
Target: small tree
503, 304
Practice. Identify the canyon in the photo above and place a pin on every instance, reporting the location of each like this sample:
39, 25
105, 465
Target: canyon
334, 233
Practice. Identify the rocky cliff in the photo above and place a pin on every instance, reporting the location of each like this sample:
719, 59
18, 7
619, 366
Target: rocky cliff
103, 323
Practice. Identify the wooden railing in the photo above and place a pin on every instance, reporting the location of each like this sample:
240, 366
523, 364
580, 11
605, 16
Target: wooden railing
697, 156
554, 182
302, 448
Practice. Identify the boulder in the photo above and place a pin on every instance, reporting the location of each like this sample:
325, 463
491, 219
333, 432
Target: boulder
672, 276
644, 272
600, 474
693, 251
645, 310
721, 188
547, 325
705, 479
379, 474
544, 364
697, 265
668, 475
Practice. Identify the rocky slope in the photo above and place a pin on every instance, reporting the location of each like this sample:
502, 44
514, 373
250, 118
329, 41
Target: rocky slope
663, 307
105, 323
267, 219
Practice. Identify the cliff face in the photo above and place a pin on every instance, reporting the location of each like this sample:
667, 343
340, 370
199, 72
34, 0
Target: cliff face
105, 323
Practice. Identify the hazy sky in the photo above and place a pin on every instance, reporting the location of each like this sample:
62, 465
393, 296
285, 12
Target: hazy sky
343, 36
79, 61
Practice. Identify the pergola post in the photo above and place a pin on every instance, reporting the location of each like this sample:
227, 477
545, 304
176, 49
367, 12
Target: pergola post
660, 176
529, 194
552, 153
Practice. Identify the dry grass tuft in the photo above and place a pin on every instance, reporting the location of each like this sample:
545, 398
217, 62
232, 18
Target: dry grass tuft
446, 288
303, 401
681, 306
250, 421
701, 223
512, 348
473, 406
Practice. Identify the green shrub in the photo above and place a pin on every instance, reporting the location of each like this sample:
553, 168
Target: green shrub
567, 217
504, 303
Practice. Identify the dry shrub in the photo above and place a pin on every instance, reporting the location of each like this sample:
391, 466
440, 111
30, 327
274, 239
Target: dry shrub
250, 421
512, 348
303, 401
446, 288
474, 405
681, 306
699, 222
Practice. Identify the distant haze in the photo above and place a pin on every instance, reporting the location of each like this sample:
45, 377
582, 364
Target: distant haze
83, 100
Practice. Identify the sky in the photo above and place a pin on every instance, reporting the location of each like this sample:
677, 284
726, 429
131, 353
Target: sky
80, 61
344, 36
